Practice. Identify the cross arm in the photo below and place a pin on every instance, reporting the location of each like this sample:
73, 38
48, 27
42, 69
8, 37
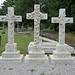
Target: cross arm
3, 18
69, 20
18, 18
54, 20
30, 15
44, 16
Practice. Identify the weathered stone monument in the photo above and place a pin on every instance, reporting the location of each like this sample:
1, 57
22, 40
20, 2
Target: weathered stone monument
3, 27
18, 29
36, 54
11, 53
0, 40
22, 28
50, 46
61, 54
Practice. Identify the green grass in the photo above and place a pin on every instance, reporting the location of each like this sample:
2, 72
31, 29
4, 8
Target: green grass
22, 41
70, 36
42, 74
32, 70
10, 68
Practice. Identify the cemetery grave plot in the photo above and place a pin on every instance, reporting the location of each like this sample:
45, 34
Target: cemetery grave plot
36, 62
70, 37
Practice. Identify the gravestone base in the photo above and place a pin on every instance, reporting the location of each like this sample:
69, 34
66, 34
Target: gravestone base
61, 60
61, 55
36, 57
11, 57
11, 54
13, 60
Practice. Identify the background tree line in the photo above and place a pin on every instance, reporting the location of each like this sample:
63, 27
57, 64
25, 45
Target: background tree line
47, 6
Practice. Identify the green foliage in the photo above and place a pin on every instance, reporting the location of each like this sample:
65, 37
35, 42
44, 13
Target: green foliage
10, 68
22, 41
7, 3
47, 6
0, 28
32, 70
42, 74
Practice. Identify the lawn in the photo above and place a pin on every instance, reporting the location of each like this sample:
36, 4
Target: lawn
22, 41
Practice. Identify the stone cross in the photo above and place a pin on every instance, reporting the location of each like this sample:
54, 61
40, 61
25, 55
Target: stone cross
37, 16
62, 20
10, 18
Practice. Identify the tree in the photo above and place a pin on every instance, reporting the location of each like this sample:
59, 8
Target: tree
47, 6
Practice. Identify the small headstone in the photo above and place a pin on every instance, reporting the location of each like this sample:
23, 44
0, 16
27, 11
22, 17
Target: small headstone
3, 27
18, 29
22, 28
0, 40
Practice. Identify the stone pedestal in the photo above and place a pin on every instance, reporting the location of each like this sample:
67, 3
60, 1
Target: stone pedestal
11, 54
61, 55
36, 55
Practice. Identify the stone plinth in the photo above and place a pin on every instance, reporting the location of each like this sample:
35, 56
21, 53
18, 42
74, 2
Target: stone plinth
14, 59
61, 55
11, 54
36, 57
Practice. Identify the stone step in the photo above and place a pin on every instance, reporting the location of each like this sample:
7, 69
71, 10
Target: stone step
11, 54
64, 54
36, 54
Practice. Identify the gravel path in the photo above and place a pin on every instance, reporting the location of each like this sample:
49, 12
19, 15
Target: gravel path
47, 68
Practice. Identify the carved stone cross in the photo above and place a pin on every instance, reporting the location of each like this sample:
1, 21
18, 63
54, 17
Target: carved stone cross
37, 16
62, 20
10, 18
